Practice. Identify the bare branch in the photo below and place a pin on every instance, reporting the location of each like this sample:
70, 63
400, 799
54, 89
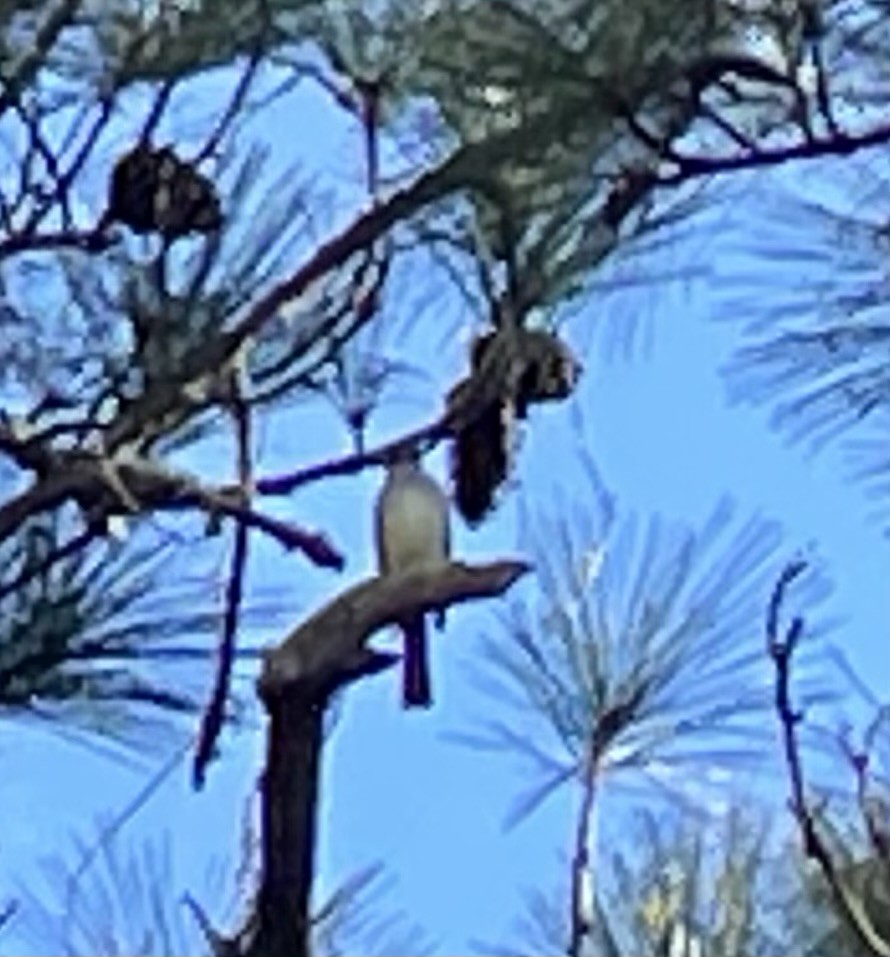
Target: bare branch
103, 486
327, 647
839, 144
781, 649
212, 722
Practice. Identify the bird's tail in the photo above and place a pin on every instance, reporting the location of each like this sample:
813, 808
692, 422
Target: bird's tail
415, 667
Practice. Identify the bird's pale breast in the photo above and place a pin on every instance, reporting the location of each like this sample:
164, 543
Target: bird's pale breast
414, 526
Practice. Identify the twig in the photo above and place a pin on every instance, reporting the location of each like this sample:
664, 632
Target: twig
781, 649
276, 485
608, 724
89, 241
219, 945
212, 722
239, 95
50, 160
823, 94
840, 144
360, 306
870, 807
83, 477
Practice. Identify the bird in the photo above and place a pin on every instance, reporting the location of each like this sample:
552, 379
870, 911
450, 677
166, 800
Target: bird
412, 531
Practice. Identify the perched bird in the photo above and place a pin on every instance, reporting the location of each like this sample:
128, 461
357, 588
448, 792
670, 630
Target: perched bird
411, 531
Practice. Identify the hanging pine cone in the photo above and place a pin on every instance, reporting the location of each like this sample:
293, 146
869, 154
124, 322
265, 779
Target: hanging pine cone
480, 461
549, 372
530, 366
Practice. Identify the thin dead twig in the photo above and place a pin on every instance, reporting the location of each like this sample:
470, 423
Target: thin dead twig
781, 648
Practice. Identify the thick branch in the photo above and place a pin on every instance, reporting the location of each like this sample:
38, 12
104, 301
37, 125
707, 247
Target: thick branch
290, 800
102, 486
325, 651
298, 677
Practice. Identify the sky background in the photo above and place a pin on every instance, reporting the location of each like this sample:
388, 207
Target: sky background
665, 439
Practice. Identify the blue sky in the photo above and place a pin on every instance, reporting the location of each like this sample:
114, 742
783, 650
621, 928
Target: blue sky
395, 789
